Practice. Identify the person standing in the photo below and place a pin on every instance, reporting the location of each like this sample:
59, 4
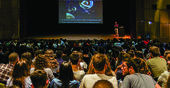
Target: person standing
116, 26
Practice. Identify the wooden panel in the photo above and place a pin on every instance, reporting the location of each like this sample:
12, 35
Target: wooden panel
0, 3
164, 32
164, 16
149, 14
149, 3
9, 16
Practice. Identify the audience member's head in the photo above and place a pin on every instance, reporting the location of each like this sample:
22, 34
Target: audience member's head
103, 84
165, 54
28, 56
99, 62
132, 53
13, 58
139, 54
39, 79
49, 51
74, 57
101, 50
168, 61
37, 52
154, 51
86, 50
143, 68
20, 72
134, 65
59, 53
108, 70
66, 74
41, 62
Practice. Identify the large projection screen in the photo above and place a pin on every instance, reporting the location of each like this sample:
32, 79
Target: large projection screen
81, 11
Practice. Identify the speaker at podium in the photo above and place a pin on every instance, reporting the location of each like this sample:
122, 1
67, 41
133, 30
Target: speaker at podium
121, 31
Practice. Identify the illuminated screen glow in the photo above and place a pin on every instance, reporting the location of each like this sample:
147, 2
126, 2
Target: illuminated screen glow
81, 11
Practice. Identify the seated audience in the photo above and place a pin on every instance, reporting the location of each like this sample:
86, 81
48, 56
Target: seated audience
20, 75
103, 84
100, 66
39, 79
156, 66
66, 77
135, 79
6, 69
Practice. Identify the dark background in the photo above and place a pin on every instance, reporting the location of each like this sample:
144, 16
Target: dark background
40, 17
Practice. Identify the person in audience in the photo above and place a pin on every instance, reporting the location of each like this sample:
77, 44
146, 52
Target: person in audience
168, 61
83, 65
78, 73
99, 65
39, 79
103, 84
119, 60
37, 52
166, 53
2, 56
163, 78
156, 64
41, 63
108, 71
66, 77
59, 56
6, 69
28, 56
139, 54
20, 75
135, 79
118, 70
49, 55
65, 55
86, 56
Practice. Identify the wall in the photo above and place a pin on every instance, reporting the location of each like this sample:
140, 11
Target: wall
156, 12
9, 19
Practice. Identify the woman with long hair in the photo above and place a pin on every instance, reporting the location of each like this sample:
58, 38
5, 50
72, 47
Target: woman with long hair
20, 75
66, 77
41, 63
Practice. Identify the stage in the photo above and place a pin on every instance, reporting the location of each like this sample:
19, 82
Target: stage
80, 36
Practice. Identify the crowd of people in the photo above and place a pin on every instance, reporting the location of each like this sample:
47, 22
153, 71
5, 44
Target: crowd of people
61, 63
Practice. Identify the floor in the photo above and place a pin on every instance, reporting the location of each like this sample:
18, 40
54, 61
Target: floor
80, 36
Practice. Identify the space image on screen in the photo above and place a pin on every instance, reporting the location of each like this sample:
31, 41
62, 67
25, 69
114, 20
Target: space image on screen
81, 11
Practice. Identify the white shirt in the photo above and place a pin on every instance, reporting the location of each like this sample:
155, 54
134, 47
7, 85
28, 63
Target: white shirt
89, 80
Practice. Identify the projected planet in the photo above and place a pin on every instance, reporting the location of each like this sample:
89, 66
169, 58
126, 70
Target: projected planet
86, 4
69, 16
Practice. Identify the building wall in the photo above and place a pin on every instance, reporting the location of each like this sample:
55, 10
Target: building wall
9, 19
155, 11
